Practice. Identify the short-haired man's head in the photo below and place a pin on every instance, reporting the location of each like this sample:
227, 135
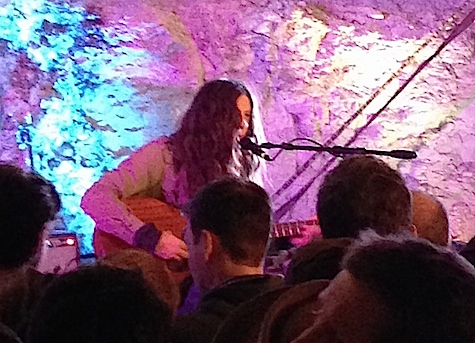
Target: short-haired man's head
100, 304
238, 212
27, 203
428, 290
430, 218
363, 192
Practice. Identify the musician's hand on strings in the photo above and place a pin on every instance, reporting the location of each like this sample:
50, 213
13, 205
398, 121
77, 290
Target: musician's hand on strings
170, 247
307, 233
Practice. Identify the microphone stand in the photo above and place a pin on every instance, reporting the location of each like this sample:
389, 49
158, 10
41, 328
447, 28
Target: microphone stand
340, 151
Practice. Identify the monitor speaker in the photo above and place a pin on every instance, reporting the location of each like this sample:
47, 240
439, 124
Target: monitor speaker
59, 254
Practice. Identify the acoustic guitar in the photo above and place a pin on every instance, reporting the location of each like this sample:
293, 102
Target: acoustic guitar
166, 217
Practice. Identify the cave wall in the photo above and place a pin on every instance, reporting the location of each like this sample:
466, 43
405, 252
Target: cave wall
84, 83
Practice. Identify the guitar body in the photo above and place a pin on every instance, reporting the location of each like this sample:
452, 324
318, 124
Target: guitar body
166, 217
105, 243
149, 210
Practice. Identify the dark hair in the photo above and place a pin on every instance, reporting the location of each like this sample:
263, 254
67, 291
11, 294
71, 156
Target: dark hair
318, 260
428, 290
430, 218
203, 146
100, 304
363, 192
27, 202
153, 269
7, 335
236, 211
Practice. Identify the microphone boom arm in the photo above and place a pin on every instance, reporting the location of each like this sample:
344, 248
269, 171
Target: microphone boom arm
339, 150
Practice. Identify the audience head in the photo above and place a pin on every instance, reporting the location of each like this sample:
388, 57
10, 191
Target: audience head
397, 290
154, 270
100, 304
228, 229
363, 192
430, 218
27, 203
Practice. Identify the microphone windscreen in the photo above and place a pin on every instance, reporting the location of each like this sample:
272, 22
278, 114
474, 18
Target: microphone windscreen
403, 154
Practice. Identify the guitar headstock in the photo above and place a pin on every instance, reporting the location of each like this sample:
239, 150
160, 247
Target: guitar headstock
291, 229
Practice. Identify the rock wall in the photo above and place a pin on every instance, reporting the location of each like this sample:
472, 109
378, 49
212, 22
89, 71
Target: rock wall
86, 82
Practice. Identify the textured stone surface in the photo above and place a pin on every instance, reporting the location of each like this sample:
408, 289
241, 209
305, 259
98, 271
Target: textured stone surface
126, 74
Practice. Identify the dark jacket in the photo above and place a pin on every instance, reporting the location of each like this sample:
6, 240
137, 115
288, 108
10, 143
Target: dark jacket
469, 251
319, 260
201, 325
18, 300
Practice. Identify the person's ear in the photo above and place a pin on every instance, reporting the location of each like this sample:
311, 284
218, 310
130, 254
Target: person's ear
208, 243
413, 230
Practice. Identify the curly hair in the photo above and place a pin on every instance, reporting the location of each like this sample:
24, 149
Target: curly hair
27, 202
205, 147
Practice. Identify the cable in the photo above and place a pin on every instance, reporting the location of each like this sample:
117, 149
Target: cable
296, 140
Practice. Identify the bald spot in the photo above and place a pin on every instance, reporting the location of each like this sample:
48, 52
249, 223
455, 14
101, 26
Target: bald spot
430, 219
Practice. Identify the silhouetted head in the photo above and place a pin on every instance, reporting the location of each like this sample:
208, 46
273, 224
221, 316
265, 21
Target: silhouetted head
27, 203
363, 192
100, 304
397, 289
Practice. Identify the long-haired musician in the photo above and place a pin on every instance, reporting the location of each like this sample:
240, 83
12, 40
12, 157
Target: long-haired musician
172, 169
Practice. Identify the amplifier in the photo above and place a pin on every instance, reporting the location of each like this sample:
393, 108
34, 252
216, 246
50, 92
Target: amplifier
59, 254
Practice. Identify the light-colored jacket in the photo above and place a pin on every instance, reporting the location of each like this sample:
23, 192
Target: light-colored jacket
148, 172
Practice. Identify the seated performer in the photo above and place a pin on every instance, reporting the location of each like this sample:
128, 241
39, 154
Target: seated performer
172, 169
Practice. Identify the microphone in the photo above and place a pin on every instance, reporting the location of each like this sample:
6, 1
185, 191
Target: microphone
402, 154
247, 144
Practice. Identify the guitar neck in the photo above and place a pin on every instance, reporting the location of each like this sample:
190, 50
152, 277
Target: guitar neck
290, 229
166, 217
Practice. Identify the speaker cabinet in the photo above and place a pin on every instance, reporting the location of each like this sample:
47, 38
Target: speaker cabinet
59, 254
